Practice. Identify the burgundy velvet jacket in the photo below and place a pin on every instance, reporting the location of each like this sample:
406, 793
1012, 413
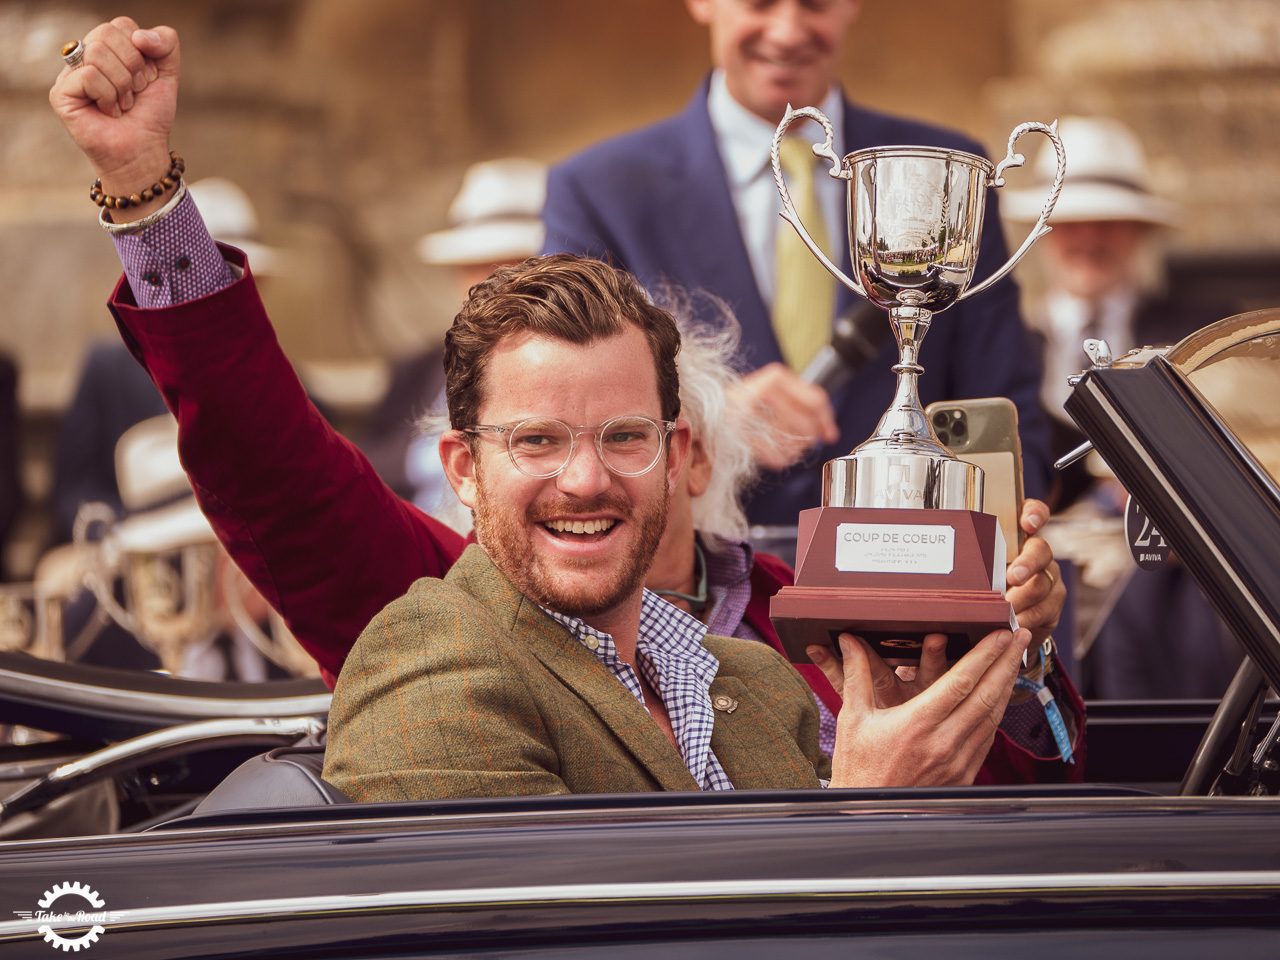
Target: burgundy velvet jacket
305, 516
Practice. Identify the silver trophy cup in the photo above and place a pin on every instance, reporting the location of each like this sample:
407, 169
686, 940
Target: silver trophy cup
915, 225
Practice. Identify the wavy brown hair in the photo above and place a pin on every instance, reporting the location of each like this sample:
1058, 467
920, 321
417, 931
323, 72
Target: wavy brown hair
569, 298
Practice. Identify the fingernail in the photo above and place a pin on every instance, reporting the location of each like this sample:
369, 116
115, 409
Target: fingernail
817, 654
139, 82
150, 35
1017, 575
117, 112
152, 71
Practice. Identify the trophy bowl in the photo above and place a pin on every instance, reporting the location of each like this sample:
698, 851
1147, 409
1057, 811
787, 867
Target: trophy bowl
916, 223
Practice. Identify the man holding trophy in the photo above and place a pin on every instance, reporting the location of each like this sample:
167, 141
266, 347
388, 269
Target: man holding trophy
931, 729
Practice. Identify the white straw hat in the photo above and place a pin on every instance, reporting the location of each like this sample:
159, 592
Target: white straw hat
229, 214
1107, 178
496, 216
155, 489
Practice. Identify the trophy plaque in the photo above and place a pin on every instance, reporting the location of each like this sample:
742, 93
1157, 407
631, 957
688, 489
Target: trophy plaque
900, 547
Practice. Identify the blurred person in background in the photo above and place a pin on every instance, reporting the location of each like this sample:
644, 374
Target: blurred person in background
691, 200
1104, 279
1103, 273
494, 220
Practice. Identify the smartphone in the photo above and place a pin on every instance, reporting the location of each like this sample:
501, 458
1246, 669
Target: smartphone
985, 432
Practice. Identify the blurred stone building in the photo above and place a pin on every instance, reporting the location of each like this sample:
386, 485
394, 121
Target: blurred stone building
350, 125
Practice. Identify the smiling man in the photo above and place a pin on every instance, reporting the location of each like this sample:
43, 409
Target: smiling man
691, 200
540, 664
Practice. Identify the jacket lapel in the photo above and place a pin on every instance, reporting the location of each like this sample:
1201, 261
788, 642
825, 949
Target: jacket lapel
703, 217
575, 666
753, 760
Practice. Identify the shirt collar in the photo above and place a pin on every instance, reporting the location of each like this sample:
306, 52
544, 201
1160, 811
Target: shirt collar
1070, 313
745, 139
665, 631
729, 560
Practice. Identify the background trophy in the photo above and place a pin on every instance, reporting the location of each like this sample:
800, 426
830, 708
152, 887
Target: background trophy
900, 548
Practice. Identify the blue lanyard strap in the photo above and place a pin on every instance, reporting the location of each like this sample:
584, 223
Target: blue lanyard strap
1057, 726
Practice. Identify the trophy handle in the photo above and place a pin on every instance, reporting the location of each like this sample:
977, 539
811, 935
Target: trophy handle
1042, 227
825, 150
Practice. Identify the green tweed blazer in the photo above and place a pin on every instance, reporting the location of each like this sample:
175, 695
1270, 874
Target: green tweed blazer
464, 688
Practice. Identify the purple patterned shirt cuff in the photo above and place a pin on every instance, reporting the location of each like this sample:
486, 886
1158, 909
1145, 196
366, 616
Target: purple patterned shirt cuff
174, 260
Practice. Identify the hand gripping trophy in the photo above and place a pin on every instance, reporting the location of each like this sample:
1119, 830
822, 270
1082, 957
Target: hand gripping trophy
900, 548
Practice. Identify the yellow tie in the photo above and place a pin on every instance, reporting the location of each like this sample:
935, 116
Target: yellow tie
804, 293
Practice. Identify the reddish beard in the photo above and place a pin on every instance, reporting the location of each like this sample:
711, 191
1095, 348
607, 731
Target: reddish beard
509, 544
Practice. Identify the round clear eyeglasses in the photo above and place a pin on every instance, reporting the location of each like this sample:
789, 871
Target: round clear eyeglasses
542, 447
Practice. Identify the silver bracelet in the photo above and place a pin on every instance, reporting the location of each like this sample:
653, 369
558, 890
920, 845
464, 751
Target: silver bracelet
137, 226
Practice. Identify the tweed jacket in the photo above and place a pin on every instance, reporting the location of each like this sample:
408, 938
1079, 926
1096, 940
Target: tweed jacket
465, 688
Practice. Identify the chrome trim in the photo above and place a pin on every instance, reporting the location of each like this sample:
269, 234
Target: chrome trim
564, 894
155, 746
27, 688
188, 734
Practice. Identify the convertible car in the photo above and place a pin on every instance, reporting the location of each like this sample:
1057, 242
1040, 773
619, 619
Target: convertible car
1170, 849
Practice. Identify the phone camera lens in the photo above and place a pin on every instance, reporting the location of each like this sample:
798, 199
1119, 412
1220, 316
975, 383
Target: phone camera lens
940, 420
958, 428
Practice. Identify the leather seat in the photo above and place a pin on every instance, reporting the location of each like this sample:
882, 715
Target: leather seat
283, 777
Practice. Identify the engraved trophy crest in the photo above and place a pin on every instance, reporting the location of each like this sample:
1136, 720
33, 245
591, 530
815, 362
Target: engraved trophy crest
900, 547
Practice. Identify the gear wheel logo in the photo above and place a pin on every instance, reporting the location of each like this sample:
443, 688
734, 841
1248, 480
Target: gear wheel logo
72, 889
59, 894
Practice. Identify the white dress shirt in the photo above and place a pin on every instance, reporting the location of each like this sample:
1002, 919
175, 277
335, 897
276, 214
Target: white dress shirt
1064, 322
744, 140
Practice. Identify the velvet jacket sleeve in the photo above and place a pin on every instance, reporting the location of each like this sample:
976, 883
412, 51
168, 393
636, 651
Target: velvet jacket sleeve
297, 506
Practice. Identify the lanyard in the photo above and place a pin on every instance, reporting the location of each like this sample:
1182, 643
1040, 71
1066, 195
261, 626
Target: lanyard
699, 602
1056, 724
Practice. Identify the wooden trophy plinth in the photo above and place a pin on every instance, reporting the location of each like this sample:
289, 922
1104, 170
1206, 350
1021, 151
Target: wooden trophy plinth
892, 577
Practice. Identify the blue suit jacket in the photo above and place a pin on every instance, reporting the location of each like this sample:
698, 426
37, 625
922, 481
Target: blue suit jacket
657, 201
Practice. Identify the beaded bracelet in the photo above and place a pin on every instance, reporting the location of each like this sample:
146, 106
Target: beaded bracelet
137, 226
170, 180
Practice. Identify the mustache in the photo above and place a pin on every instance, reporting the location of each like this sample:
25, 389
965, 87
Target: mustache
568, 507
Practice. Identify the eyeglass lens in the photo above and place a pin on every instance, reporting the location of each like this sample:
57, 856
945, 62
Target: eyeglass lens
629, 446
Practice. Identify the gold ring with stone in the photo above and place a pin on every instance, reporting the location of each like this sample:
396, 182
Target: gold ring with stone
73, 53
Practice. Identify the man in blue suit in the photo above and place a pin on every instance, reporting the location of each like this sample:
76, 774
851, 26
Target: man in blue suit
691, 201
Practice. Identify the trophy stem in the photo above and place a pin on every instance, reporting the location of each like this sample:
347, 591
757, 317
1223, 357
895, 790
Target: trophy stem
903, 464
905, 423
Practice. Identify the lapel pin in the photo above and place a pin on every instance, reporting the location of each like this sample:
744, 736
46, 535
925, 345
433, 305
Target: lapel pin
724, 704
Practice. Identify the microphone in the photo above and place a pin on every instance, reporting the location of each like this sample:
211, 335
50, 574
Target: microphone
856, 339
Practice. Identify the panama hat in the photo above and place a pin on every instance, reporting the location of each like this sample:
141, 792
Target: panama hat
496, 216
229, 214
1107, 178
154, 488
